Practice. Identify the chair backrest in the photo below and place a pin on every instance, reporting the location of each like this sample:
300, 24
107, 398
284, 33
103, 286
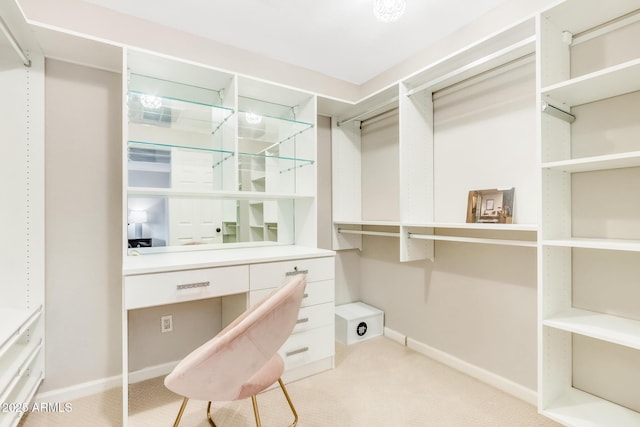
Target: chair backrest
217, 369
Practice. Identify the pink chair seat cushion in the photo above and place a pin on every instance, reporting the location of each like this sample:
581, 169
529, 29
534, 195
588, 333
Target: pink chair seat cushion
241, 360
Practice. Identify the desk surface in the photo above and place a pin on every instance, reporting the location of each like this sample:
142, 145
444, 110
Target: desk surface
174, 261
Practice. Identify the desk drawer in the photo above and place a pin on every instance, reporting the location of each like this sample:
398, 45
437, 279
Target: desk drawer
148, 290
315, 316
274, 274
309, 346
314, 293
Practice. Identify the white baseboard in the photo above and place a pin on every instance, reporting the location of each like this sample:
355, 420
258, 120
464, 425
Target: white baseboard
151, 372
77, 391
395, 336
88, 388
501, 383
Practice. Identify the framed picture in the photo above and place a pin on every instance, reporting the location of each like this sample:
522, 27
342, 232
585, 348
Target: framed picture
494, 205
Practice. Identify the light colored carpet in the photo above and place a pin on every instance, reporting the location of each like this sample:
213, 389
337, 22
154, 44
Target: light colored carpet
376, 383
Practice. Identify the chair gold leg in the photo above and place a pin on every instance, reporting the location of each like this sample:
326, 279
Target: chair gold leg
181, 411
295, 414
209, 415
256, 412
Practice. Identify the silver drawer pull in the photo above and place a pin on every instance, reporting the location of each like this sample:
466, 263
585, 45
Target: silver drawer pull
303, 320
192, 285
298, 351
296, 271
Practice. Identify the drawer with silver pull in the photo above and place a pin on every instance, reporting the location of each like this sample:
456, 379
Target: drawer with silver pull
314, 293
274, 274
308, 346
315, 316
147, 290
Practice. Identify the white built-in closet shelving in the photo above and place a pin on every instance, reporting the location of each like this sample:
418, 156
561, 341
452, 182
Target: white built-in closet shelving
22, 224
419, 221
589, 349
214, 157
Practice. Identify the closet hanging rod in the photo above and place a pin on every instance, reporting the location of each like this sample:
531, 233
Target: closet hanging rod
522, 49
368, 233
606, 27
14, 43
504, 242
384, 105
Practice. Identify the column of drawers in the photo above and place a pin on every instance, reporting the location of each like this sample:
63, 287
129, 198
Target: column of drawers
312, 340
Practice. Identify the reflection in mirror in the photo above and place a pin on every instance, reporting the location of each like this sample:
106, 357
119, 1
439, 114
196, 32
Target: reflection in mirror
201, 174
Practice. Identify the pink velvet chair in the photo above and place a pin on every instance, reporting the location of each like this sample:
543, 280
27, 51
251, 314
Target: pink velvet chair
242, 360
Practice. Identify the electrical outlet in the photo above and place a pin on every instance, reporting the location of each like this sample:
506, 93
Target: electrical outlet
166, 323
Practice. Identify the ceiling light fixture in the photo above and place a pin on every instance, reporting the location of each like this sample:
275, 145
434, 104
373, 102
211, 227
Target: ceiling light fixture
388, 10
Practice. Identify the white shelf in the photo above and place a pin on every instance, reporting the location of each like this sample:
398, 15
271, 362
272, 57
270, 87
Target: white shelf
614, 329
485, 241
14, 322
477, 226
479, 66
373, 223
585, 243
479, 57
235, 195
580, 409
606, 83
609, 161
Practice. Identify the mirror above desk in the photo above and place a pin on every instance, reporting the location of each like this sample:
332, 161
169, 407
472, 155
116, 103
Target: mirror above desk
213, 159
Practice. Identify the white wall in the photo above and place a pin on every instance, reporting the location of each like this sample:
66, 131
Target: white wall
476, 303
83, 199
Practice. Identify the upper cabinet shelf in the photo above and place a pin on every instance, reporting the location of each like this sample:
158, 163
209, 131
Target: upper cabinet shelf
214, 158
267, 130
609, 161
602, 84
494, 51
178, 114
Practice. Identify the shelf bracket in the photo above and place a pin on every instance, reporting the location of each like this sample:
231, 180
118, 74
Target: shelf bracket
557, 112
222, 161
221, 123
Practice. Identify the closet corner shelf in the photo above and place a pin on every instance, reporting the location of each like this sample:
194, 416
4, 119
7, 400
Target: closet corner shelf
602, 84
606, 327
609, 161
234, 195
577, 408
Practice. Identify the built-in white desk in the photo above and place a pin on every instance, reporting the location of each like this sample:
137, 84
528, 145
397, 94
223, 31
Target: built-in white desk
241, 276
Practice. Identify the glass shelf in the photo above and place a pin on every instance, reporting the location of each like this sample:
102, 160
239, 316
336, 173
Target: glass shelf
175, 113
152, 152
161, 146
268, 131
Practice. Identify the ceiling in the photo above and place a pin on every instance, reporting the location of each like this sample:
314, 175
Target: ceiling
339, 38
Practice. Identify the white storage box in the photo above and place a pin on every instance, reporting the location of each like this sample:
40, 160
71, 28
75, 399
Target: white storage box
357, 322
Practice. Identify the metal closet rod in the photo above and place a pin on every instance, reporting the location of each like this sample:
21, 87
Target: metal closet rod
371, 110
14, 43
368, 233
